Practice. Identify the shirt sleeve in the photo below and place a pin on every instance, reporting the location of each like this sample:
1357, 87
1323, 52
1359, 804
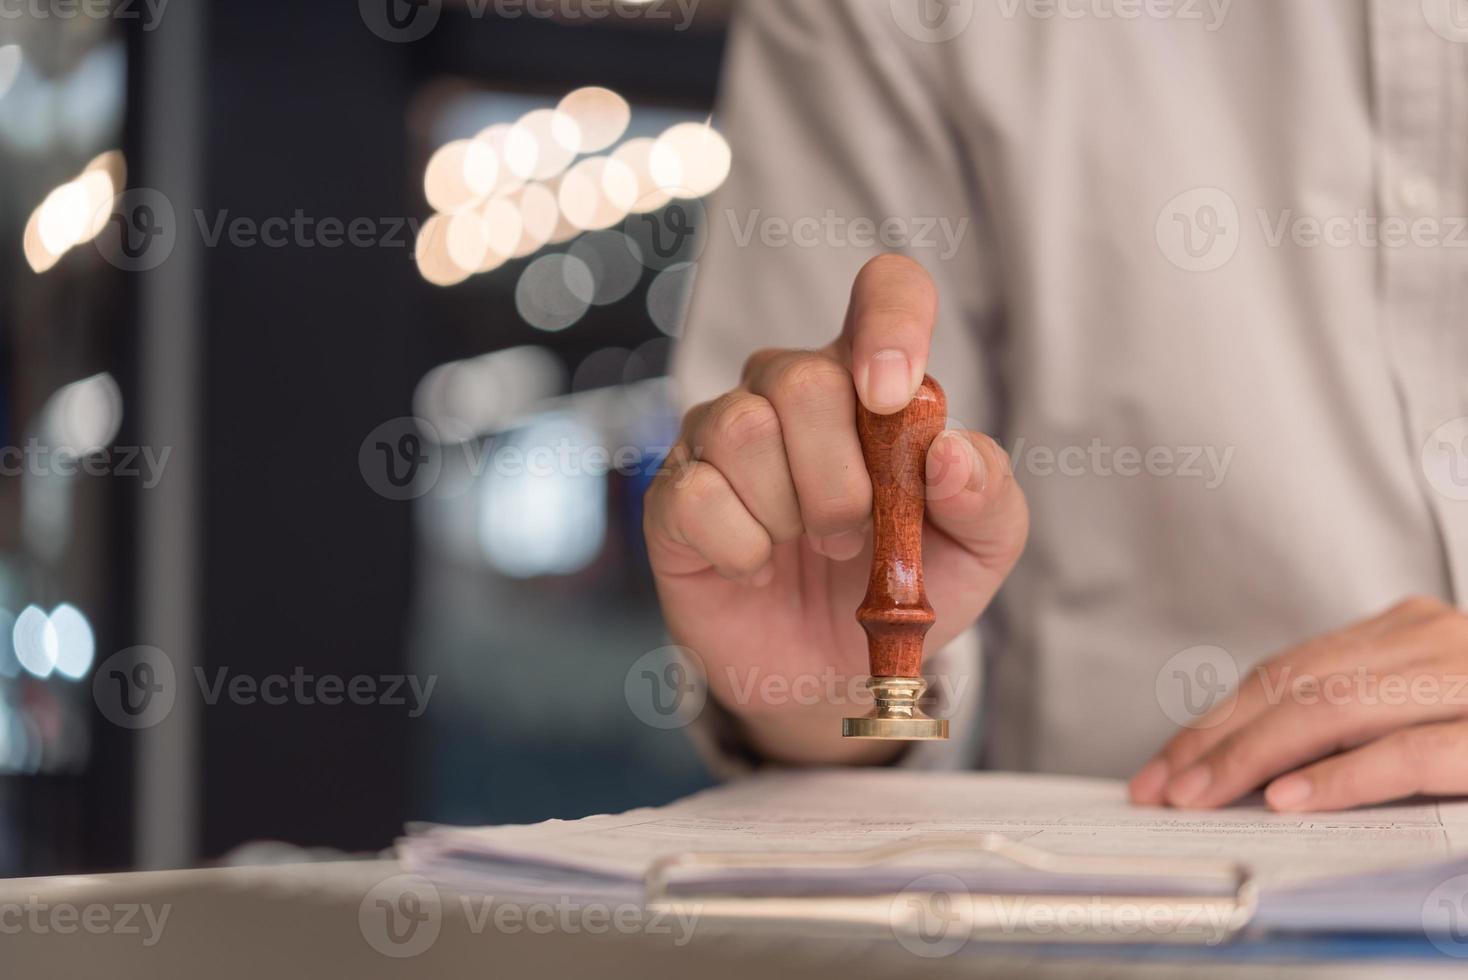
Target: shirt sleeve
843, 148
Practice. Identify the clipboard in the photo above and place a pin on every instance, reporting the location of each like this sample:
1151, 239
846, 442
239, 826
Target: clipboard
938, 912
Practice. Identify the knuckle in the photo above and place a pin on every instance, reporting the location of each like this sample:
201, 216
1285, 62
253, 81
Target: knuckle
761, 359
695, 415
742, 422
813, 379
675, 467
699, 487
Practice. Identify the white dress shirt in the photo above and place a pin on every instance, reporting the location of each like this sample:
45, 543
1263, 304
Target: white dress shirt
1203, 269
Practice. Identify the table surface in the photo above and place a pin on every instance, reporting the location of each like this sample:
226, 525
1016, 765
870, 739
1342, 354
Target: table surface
325, 920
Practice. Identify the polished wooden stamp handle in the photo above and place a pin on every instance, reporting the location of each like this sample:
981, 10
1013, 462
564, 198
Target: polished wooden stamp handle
895, 613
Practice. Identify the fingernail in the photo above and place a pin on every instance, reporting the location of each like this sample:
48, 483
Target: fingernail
1190, 786
763, 577
1288, 792
841, 547
889, 381
1149, 781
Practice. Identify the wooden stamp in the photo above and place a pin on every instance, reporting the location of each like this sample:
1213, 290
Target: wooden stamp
895, 612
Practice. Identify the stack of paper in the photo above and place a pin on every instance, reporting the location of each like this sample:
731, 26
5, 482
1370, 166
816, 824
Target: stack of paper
1372, 869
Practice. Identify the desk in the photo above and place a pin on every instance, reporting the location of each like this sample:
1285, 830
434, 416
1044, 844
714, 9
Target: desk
303, 921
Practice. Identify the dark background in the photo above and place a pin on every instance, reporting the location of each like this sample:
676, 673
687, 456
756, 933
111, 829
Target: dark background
265, 550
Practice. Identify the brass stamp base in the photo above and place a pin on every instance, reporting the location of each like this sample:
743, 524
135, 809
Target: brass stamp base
896, 714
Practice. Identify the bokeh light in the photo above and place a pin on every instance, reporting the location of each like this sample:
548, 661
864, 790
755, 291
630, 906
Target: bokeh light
600, 114
554, 292
613, 263
690, 160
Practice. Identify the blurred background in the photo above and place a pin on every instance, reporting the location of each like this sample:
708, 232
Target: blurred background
332, 340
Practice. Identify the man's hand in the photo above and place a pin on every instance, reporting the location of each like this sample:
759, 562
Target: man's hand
758, 525
1375, 712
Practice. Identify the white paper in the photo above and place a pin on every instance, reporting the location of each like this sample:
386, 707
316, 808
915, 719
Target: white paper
854, 810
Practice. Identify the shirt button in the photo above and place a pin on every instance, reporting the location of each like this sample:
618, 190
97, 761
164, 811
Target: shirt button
1417, 194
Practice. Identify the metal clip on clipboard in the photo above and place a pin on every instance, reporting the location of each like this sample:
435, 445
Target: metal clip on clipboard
1162, 916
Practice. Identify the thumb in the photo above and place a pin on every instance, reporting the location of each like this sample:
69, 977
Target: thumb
974, 499
889, 326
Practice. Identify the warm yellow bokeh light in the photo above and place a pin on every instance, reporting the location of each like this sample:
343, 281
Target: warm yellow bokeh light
600, 114
432, 254
460, 174
542, 144
690, 160
540, 216
636, 155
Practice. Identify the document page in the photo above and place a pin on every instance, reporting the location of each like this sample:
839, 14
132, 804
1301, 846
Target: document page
855, 810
